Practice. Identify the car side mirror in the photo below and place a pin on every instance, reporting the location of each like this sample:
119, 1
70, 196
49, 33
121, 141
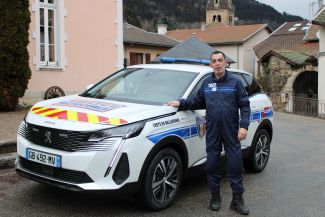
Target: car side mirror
89, 86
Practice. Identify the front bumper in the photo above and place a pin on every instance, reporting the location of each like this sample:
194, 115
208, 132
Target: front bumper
91, 170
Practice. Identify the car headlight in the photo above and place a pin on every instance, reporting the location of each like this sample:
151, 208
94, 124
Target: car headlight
125, 131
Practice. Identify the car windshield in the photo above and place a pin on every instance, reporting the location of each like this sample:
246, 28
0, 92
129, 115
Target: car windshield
143, 85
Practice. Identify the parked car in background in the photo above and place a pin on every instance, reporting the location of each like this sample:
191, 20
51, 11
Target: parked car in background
119, 134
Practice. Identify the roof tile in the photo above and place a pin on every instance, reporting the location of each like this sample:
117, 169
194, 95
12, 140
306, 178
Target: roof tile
291, 28
135, 35
284, 40
320, 17
312, 33
192, 48
219, 34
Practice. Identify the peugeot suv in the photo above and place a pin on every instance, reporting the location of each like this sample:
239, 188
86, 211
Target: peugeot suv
120, 135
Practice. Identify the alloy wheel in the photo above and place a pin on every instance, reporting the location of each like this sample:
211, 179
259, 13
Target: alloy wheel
165, 180
262, 151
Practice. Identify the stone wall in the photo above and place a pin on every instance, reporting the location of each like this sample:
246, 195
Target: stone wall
224, 13
277, 80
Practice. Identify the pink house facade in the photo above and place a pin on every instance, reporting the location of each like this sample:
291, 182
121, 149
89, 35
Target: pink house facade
72, 45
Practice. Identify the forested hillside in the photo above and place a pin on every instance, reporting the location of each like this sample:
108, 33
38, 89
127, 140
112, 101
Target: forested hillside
190, 13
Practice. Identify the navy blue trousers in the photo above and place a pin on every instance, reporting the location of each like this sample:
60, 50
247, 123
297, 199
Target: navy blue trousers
228, 138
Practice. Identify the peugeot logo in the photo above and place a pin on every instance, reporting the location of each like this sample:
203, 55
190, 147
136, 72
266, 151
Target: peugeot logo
48, 137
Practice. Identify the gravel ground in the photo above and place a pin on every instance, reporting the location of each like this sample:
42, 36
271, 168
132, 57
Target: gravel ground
9, 122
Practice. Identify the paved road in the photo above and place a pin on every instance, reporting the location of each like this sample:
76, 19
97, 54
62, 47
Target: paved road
292, 185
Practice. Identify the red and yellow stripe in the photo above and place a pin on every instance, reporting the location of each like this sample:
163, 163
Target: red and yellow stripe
76, 116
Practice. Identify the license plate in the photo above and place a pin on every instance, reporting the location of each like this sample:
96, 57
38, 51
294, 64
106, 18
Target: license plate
43, 158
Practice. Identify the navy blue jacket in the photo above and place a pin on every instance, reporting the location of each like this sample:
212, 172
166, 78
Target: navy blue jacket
222, 98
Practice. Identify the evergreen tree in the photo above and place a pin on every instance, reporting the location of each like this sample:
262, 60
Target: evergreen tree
14, 57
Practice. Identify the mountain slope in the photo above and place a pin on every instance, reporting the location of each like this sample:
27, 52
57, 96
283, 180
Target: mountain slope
190, 13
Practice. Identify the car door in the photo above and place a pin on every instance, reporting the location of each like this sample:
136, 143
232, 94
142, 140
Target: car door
257, 104
197, 144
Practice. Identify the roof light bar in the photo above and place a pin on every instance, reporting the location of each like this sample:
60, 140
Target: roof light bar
184, 60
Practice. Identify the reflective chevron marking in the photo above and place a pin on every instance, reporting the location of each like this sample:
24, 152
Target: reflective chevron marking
76, 116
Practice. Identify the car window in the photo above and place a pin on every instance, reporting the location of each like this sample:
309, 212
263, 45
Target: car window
198, 85
242, 79
254, 87
249, 84
143, 85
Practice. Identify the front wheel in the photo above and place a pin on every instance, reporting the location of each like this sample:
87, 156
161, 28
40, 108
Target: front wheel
163, 179
260, 152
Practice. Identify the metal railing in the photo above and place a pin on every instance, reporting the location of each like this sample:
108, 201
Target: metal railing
298, 105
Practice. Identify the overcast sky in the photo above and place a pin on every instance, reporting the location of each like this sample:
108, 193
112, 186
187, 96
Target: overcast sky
301, 8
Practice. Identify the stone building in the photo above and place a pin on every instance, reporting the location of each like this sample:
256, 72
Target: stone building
287, 62
220, 11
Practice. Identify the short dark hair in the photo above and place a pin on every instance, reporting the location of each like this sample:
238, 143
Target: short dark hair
217, 52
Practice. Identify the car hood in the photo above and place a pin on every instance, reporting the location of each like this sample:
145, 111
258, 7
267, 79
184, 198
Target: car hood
84, 114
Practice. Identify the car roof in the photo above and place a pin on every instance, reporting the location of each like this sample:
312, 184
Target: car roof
184, 67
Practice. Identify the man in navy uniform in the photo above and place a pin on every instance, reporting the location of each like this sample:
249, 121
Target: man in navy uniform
222, 95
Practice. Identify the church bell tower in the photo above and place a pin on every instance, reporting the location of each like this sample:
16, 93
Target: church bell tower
220, 11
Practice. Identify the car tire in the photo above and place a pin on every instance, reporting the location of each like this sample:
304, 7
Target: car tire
259, 153
162, 180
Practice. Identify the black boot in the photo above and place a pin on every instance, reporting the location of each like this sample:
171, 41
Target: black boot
238, 204
215, 202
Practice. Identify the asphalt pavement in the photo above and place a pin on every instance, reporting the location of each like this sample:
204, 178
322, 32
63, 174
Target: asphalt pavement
292, 185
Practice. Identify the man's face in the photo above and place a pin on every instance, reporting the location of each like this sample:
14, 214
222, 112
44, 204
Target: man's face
218, 64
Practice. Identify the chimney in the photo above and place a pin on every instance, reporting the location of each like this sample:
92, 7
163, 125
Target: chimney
203, 27
162, 29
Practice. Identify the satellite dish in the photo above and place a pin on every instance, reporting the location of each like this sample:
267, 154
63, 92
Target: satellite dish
318, 34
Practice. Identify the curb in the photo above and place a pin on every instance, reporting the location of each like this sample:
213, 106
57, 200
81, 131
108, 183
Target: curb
7, 142
7, 153
7, 160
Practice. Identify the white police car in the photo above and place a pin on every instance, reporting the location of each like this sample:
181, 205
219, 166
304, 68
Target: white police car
120, 135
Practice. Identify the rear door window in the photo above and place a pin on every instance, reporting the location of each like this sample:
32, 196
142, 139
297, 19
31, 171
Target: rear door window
254, 87
243, 81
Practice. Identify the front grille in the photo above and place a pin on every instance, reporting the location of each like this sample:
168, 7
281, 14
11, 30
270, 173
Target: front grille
66, 175
54, 138
64, 140
22, 130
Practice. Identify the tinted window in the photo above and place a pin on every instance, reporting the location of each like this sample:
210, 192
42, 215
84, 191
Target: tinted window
143, 85
254, 87
198, 85
243, 81
250, 85
237, 75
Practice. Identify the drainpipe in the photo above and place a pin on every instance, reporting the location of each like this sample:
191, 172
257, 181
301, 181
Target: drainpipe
237, 55
119, 37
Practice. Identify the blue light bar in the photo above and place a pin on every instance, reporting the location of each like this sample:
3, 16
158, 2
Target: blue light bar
184, 60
